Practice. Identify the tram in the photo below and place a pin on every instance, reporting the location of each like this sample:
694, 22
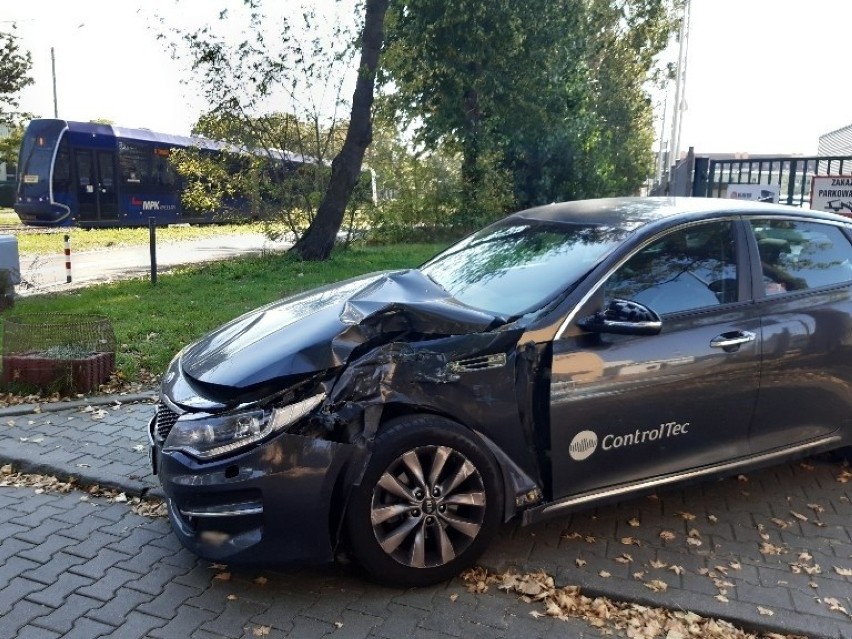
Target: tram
97, 175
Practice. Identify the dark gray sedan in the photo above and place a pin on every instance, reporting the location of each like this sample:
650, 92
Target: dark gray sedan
566, 355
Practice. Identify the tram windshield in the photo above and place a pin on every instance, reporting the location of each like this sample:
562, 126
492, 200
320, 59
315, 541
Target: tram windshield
38, 149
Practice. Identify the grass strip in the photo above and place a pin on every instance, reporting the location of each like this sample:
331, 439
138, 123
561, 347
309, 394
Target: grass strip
152, 323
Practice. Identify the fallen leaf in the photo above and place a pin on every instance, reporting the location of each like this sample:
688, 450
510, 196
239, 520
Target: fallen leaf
712, 519
667, 535
722, 598
678, 570
846, 572
798, 516
655, 563
635, 523
835, 606
231, 597
580, 562
656, 585
685, 516
816, 508
766, 612
261, 631
624, 558
770, 549
453, 597
604, 574
222, 576
260, 580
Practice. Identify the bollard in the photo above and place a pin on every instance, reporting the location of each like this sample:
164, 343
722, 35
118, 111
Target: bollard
67, 259
152, 237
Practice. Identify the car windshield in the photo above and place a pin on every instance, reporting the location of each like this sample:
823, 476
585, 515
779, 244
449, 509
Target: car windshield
514, 267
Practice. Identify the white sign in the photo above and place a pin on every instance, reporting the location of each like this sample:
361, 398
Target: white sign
754, 192
832, 193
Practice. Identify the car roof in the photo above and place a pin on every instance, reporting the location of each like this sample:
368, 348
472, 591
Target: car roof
630, 213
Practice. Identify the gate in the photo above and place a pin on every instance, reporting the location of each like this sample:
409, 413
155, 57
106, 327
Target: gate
791, 174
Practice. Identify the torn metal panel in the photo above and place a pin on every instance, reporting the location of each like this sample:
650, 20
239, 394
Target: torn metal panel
477, 378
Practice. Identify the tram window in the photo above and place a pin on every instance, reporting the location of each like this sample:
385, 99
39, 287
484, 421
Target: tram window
62, 169
135, 162
164, 173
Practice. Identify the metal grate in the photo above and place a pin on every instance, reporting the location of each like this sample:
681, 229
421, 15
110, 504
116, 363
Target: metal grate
166, 418
57, 352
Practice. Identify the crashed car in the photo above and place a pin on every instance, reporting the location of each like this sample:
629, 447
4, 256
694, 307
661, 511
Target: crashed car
565, 356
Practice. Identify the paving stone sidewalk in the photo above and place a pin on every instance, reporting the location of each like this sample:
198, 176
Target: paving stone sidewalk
771, 550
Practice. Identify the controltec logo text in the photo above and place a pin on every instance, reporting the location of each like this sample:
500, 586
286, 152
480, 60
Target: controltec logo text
585, 442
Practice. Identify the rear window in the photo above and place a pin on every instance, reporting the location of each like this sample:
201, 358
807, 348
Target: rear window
797, 256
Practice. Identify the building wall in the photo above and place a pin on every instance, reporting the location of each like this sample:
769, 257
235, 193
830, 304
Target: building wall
837, 142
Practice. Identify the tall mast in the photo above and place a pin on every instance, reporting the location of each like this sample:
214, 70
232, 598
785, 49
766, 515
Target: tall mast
680, 85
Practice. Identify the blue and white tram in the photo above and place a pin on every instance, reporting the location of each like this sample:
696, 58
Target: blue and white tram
95, 175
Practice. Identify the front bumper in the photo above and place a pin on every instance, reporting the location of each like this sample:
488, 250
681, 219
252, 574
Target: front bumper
271, 504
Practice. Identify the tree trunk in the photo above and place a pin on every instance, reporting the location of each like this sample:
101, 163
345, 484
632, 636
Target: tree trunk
471, 173
318, 240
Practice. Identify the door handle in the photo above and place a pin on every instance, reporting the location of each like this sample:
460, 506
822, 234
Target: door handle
734, 338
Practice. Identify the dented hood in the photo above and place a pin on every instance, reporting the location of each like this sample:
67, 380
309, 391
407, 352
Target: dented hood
319, 329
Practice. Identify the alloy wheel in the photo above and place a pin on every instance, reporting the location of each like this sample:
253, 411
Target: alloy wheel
428, 506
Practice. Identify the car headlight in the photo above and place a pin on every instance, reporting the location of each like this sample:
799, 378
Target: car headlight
205, 436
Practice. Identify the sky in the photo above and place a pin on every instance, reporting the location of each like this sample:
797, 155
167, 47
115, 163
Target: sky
763, 76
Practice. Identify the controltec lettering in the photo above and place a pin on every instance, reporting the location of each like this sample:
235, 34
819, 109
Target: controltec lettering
671, 429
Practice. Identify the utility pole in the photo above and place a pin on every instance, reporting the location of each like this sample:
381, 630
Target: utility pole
680, 86
53, 69
662, 161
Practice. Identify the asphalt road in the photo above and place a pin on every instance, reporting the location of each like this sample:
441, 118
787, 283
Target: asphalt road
46, 273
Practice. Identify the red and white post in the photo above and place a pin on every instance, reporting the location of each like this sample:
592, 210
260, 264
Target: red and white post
67, 259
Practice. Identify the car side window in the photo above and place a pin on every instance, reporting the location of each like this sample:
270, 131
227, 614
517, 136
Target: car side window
687, 269
797, 256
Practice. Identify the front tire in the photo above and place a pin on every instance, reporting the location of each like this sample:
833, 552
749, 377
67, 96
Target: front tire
429, 502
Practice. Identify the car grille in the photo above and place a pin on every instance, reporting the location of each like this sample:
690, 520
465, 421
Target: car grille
166, 418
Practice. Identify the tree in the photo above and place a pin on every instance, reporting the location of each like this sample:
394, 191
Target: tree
278, 165
454, 67
241, 81
318, 240
553, 90
15, 67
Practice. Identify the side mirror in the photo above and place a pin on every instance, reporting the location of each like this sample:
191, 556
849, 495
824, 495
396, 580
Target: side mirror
623, 317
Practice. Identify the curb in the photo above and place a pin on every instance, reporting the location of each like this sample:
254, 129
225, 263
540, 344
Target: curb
95, 400
131, 486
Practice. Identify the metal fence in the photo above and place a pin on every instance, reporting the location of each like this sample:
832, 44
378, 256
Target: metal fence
791, 174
